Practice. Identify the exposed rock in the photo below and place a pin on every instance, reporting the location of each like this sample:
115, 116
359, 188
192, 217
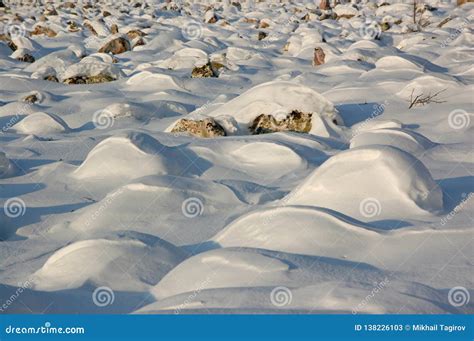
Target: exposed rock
295, 121
27, 58
40, 30
101, 78
262, 35
116, 46
324, 5
72, 26
51, 78
263, 24
114, 29
31, 99
199, 128
68, 4
50, 11
210, 17
210, 69
132, 34
385, 26
106, 14
319, 56
90, 28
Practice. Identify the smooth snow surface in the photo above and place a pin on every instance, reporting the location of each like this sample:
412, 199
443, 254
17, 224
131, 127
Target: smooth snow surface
105, 208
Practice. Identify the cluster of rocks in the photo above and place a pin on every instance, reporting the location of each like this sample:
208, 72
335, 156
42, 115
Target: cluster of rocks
206, 128
210, 69
295, 121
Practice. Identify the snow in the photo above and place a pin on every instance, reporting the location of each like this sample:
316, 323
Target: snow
97, 192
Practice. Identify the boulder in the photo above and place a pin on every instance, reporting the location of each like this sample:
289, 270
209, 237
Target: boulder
207, 127
116, 46
295, 121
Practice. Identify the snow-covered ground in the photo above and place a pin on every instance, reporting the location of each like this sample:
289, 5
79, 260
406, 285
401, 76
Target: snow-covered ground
109, 207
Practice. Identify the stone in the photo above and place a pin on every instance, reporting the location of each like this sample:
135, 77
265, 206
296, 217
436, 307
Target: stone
296, 121
31, 99
319, 56
27, 58
209, 69
262, 35
101, 78
206, 128
116, 46
40, 30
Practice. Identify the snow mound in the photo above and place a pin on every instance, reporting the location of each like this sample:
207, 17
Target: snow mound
122, 261
129, 155
371, 182
247, 268
396, 62
406, 140
7, 168
188, 206
40, 124
277, 98
316, 232
89, 67
148, 80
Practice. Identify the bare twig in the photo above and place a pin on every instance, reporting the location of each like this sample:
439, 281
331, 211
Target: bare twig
422, 99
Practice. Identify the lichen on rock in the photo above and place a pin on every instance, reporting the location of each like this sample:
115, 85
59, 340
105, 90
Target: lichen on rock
207, 127
296, 121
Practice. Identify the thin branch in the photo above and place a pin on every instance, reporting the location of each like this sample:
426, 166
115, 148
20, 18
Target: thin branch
422, 99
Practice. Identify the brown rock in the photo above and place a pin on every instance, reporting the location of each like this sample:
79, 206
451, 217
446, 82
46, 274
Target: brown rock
262, 35
324, 5
101, 78
132, 34
31, 99
90, 28
51, 78
27, 58
40, 30
295, 121
205, 71
319, 56
263, 24
114, 29
199, 128
116, 46
106, 14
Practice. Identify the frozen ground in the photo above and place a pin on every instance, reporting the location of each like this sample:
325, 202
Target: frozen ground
105, 208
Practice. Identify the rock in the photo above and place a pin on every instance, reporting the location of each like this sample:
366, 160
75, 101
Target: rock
27, 58
100, 78
50, 11
31, 99
40, 30
295, 121
263, 24
210, 17
324, 5
262, 35
385, 26
51, 78
114, 29
319, 56
90, 28
210, 69
72, 26
199, 128
133, 34
106, 14
116, 46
